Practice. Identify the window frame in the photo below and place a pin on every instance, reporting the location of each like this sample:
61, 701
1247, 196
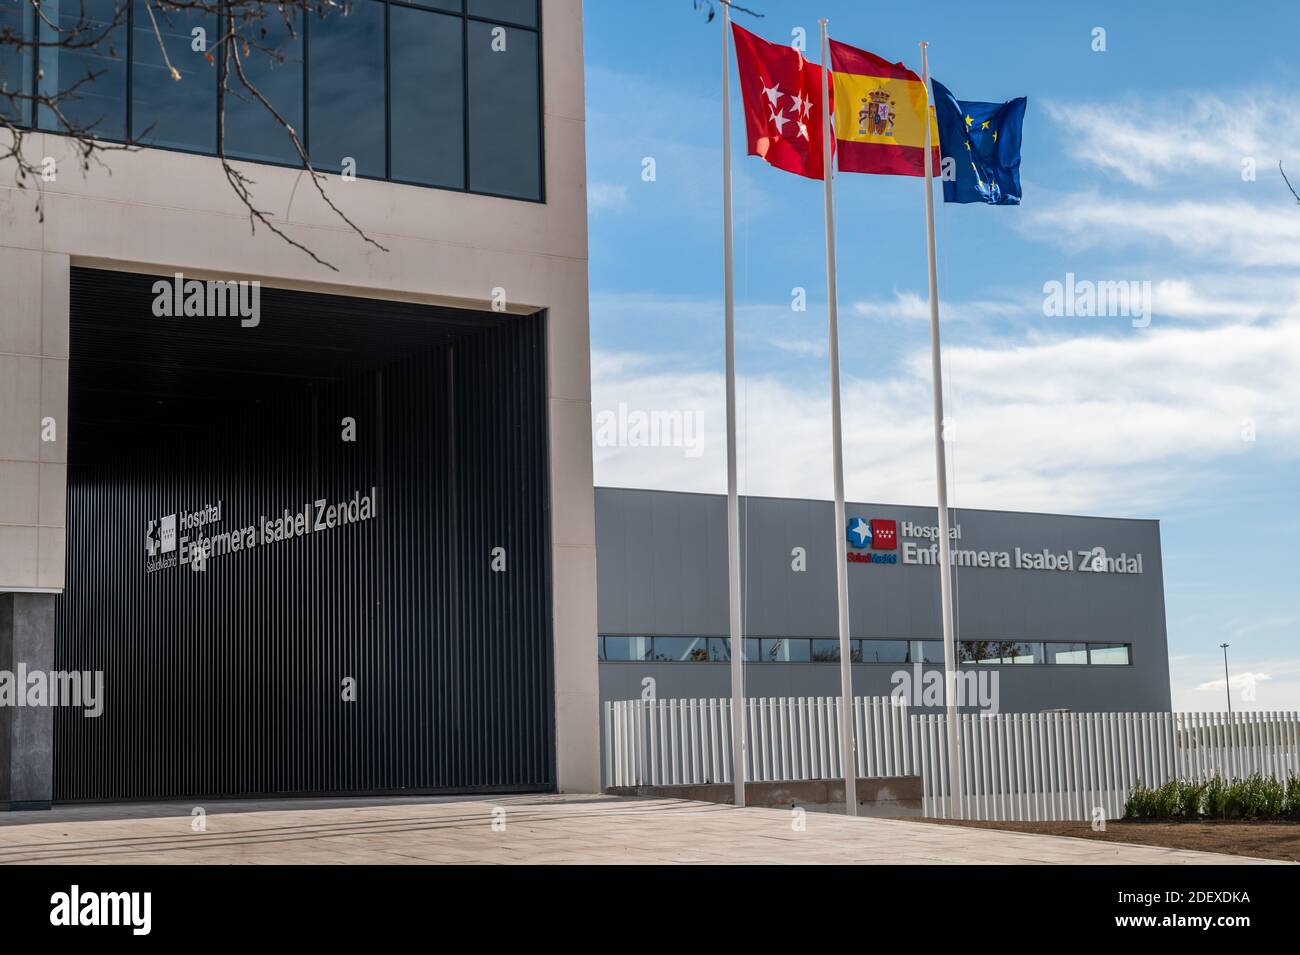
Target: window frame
858, 649
33, 69
465, 18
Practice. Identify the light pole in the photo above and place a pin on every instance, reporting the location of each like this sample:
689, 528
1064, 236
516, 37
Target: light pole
1227, 688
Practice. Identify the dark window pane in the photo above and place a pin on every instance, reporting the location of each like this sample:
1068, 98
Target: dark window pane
88, 80
275, 71
826, 651
784, 651
931, 651
427, 92
504, 124
1108, 654
1067, 653
345, 88
1027, 653
165, 111
720, 649
884, 651
515, 11
18, 19
627, 648
999, 652
680, 650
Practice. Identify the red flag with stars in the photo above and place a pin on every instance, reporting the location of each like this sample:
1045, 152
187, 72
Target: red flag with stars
782, 92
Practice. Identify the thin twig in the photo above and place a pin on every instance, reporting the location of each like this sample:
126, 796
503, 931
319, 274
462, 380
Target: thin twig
1287, 181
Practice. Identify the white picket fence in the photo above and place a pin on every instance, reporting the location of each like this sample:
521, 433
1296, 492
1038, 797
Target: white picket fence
1014, 766
688, 741
1059, 766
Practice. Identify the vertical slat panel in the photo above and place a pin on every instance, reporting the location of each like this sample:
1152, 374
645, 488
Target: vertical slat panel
227, 682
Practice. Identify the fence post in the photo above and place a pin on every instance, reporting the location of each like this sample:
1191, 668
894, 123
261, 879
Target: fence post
926, 766
729, 735
861, 718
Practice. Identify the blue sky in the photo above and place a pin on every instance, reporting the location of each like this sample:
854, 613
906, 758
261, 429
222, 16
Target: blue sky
1135, 168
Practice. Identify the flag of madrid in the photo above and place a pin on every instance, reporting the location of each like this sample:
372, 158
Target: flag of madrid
783, 104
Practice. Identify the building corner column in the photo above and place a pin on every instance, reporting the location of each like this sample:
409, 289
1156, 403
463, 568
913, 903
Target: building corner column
26, 732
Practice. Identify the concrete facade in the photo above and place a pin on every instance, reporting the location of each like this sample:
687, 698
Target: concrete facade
160, 212
663, 573
26, 637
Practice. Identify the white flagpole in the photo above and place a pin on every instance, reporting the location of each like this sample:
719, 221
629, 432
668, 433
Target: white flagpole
837, 456
940, 465
733, 499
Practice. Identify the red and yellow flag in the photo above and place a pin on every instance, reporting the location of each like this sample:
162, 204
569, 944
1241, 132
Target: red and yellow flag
879, 115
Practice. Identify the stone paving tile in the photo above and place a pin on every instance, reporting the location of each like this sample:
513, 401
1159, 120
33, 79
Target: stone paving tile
539, 829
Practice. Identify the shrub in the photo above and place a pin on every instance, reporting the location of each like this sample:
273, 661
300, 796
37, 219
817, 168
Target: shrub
1215, 803
1166, 802
1261, 797
1140, 804
1191, 795
1292, 804
1255, 797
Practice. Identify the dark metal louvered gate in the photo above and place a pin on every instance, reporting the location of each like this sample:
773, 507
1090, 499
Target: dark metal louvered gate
230, 681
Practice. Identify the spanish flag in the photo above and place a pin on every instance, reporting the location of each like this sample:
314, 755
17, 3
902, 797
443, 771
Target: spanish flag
879, 110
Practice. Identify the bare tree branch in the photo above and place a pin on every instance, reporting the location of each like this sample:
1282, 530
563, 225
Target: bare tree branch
242, 32
1287, 181
707, 5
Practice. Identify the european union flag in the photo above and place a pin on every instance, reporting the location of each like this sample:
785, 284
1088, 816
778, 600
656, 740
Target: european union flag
983, 142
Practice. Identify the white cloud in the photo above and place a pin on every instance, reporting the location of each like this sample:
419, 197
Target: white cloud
768, 326
1146, 142
802, 348
910, 306
1267, 684
1127, 424
1239, 681
605, 197
1231, 298
1224, 233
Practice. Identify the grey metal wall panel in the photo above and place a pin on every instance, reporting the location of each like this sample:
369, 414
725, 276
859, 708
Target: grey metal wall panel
885, 601
228, 682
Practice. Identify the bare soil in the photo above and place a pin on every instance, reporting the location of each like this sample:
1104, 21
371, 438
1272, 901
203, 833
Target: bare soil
1261, 840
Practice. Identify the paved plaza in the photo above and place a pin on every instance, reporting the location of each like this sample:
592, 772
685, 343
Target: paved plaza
525, 829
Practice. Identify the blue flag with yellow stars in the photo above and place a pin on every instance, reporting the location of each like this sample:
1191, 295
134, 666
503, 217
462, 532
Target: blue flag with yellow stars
983, 142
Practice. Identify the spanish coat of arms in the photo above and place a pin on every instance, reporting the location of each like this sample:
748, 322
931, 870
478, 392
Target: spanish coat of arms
876, 114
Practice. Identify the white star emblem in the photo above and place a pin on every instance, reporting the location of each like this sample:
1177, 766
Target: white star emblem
861, 530
778, 119
773, 93
803, 130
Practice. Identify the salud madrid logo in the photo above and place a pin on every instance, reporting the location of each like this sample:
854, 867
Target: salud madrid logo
873, 535
160, 536
159, 540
